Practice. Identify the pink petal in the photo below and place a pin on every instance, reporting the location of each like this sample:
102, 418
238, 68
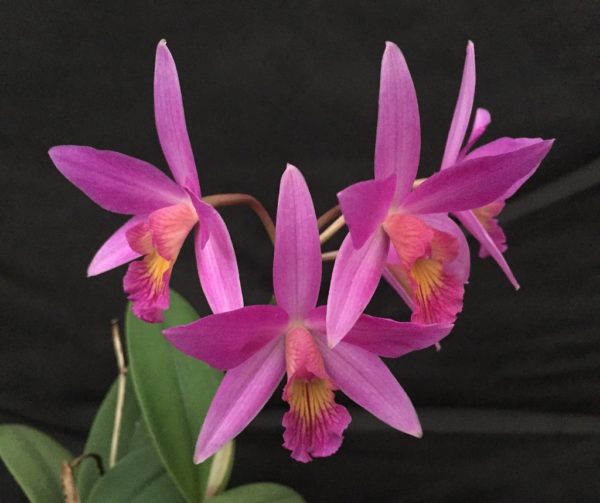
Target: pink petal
469, 220
297, 261
391, 339
462, 112
243, 392
226, 340
356, 274
367, 381
481, 122
116, 181
383, 336
475, 182
365, 206
170, 121
502, 145
215, 260
506, 145
116, 250
398, 142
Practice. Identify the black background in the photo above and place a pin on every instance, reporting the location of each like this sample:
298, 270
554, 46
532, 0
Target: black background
510, 406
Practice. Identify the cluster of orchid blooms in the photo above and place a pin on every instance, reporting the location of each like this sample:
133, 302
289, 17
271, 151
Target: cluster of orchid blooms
399, 228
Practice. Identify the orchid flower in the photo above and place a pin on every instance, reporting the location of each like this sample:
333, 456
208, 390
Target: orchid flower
258, 345
482, 221
164, 211
405, 233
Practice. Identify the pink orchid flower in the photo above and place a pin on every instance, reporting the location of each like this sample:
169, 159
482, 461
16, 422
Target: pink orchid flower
405, 233
482, 221
258, 345
164, 211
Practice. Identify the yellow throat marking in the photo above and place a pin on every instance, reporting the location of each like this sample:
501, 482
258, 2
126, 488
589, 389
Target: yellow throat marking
156, 267
310, 398
427, 273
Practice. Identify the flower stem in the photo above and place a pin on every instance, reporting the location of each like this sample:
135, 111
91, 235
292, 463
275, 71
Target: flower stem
329, 256
328, 216
67, 475
217, 200
254, 204
89, 455
328, 233
114, 444
69, 487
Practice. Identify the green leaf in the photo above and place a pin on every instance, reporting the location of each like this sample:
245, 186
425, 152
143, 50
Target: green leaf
139, 477
141, 437
174, 392
34, 460
100, 436
263, 492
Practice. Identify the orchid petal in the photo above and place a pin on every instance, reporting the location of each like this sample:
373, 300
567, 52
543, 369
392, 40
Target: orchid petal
503, 146
170, 121
473, 183
243, 392
365, 206
462, 112
116, 181
398, 142
297, 261
392, 339
365, 379
383, 336
481, 122
116, 250
215, 260
356, 274
469, 220
226, 340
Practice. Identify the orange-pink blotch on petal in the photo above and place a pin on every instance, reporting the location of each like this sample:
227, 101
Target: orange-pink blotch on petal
170, 226
410, 237
424, 253
314, 425
159, 239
